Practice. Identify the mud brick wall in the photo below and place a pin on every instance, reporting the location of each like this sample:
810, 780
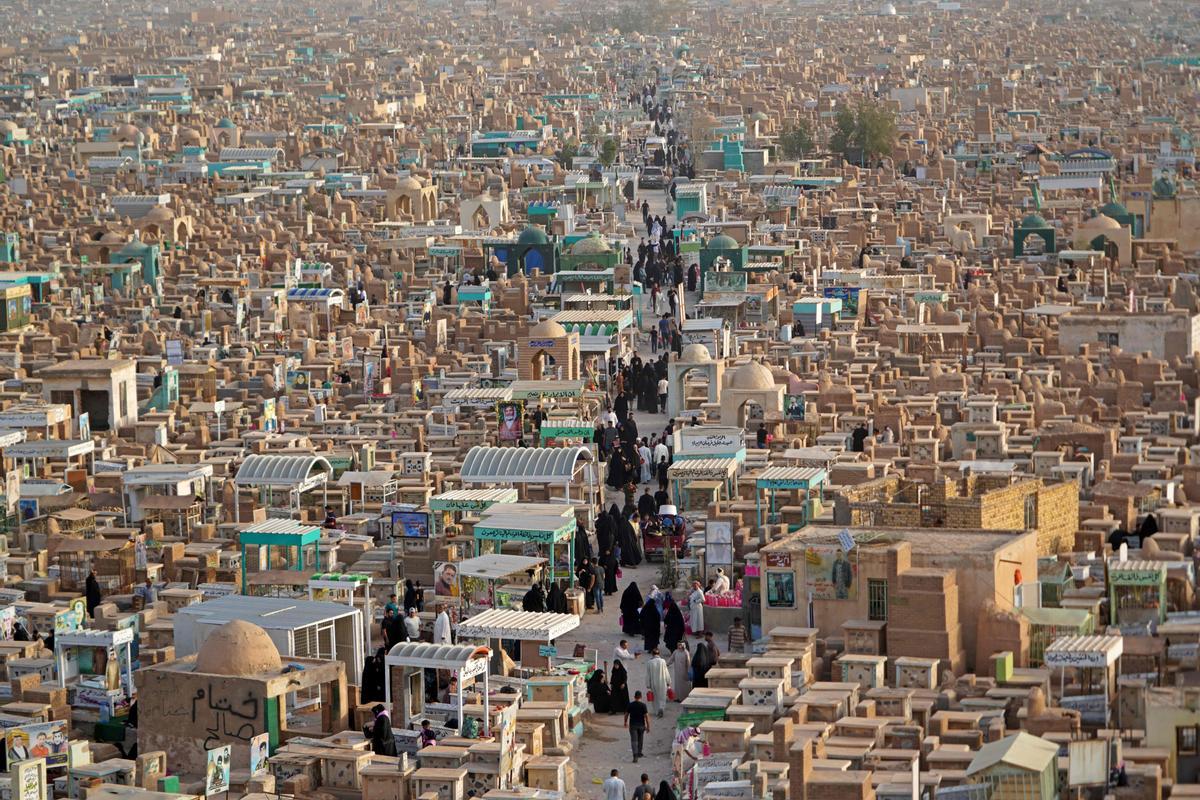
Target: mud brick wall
924, 622
1057, 517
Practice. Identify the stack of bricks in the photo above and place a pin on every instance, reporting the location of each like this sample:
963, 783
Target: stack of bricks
928, 625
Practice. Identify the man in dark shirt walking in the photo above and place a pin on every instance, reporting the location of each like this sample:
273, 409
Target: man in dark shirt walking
637, 720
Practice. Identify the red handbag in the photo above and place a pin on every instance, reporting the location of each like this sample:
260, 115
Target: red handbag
650, 696
670, 694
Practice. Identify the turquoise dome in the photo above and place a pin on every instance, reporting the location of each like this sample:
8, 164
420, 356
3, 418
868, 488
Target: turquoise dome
723, 242
532, 235
1114, 209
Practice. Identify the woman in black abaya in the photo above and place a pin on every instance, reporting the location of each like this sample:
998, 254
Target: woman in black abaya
618, 689
631, 550
606, 531
673, 631
598, 692
556, 600
534, 599
651, 625
631, 610
609, 562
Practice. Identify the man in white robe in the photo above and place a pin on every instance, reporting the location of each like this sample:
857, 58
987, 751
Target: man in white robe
658, 679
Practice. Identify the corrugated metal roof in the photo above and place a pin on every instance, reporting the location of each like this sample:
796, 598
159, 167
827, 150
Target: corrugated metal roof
269, 613
477, 495
277, 470
808, 474
434, 656
1138, 566
522, 464
1084, 651
280, 526
497, 565
703, 468
597, 316
470, 394
1022, 750
511, 624
250, 153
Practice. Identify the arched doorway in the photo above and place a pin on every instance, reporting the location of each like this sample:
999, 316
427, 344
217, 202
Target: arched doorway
533, 260
544, 367
750, 414
693, 384
480, 219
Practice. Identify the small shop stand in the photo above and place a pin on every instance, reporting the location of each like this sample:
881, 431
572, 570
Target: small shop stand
697, 482
404, 678
498, 580
344, 587
97, 669
1137, 592
533, 527
294, 542
772, 480
1086, 656
534, 631
451, 505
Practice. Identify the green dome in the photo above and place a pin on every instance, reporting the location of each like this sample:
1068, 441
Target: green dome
1114, 209
532, 235
1034, 221
723, 242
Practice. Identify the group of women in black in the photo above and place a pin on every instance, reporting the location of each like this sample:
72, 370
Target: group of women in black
640, 384
617, 542
539, 600
656, 619
609, 694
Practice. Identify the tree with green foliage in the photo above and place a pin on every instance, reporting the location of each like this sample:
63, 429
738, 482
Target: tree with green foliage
566, 153
608, 152
864, 132
796, 141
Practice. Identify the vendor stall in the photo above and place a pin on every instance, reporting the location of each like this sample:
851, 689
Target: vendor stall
405, 665
295, 543
535, 631
535, 526
97, 666
711, 478
808, 480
